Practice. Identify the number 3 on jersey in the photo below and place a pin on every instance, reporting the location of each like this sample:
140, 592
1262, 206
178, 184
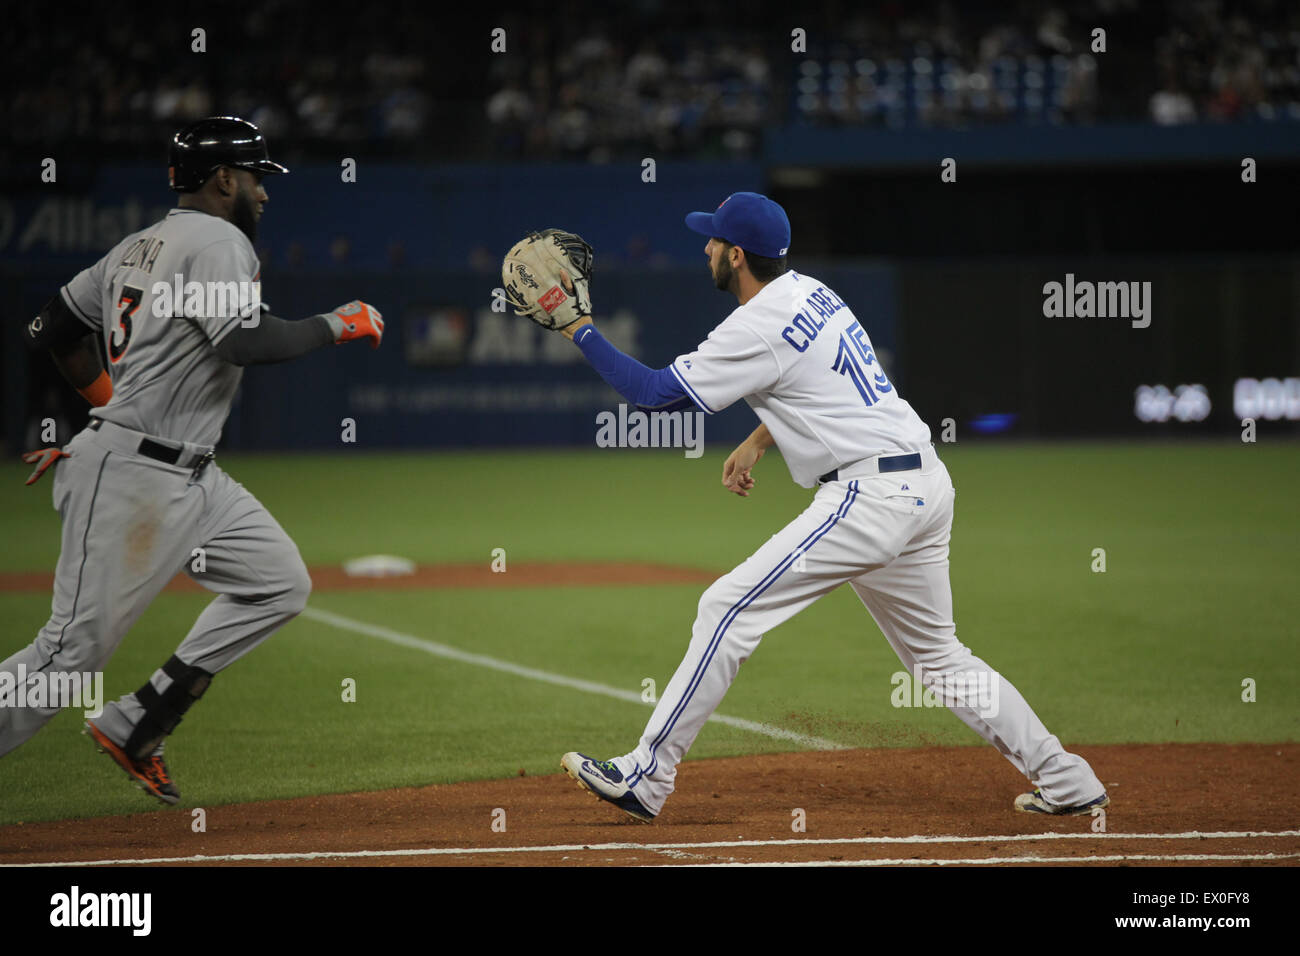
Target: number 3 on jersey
854, 346
120, 335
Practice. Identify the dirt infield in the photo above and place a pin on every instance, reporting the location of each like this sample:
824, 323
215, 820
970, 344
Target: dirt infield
442, 576
1171, 804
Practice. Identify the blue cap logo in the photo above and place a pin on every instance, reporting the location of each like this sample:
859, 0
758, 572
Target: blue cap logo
749, 220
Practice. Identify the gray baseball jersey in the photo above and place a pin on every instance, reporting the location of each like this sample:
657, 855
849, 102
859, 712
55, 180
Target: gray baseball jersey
132, 519
168, 380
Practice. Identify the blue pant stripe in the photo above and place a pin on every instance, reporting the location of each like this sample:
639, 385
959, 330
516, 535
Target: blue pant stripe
716, 640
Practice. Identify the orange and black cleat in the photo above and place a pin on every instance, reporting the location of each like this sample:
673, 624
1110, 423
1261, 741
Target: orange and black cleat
150, 775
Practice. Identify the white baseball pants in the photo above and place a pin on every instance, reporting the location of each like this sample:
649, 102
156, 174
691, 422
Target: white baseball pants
887, 535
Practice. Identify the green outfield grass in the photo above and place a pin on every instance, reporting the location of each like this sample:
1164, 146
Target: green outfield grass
1199, 592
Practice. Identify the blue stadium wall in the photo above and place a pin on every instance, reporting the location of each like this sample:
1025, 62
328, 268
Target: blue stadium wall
960, 325
424, 246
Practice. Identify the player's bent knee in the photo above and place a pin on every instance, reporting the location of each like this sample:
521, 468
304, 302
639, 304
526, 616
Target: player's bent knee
718, 610
294, 599
949, 656
83, 649
714, 603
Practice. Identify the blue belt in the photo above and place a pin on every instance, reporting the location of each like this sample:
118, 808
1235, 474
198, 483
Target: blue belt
883, 465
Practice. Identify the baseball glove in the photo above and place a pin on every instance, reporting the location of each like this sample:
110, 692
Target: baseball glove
533, 272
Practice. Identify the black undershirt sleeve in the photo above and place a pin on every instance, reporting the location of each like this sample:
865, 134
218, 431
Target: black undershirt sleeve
274, 340
54, 327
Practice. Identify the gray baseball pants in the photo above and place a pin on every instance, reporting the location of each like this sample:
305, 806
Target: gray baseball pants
130, 523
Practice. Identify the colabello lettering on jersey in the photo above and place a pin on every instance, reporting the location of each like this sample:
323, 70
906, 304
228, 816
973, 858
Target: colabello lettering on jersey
808, 323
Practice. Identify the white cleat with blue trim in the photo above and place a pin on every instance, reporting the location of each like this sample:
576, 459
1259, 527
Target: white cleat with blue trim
603, 779
1034, 803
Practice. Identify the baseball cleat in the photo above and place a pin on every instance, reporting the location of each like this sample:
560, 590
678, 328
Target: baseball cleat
150, 775
604, 780
1034, 803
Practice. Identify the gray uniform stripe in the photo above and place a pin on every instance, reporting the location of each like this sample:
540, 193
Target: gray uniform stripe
77, 309
85, 536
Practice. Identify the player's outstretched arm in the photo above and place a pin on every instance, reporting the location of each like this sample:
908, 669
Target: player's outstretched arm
274, 339
644, 387
354, 321
547, 277
736, 475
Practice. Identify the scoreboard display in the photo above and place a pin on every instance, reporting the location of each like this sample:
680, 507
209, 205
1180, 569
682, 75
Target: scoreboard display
1270, 399
1219, 344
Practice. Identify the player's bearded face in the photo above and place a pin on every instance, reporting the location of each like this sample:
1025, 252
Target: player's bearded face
248, 208
723, 275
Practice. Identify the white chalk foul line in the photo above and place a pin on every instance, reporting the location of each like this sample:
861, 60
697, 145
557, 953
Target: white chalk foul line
1003, 861
659, 847
560, 680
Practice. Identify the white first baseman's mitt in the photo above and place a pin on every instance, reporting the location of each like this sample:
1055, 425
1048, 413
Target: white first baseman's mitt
531, 274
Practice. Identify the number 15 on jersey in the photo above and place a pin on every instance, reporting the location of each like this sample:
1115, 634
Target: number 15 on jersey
854, 347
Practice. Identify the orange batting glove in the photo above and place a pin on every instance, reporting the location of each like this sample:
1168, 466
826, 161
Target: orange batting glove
42, 459
359, 321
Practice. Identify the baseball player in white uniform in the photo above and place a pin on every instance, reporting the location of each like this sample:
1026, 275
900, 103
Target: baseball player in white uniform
880, 518
139, 495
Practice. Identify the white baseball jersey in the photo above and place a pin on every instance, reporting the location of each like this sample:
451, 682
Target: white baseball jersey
796, 353
168, 379
798, 356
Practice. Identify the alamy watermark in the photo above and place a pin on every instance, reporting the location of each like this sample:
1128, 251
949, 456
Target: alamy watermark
84, 689
640, 429
74, 908
1101, 300
216, 300
975, 689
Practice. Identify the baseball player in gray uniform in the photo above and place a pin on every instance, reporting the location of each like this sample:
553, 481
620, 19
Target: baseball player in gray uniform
176, 311
880, 520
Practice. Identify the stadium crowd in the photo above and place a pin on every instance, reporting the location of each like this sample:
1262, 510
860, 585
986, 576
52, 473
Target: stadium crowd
653, 81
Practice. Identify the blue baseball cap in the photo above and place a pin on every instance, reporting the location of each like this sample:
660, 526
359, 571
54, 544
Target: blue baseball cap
749, 220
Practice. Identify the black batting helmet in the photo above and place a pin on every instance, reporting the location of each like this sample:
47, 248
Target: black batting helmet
201, 147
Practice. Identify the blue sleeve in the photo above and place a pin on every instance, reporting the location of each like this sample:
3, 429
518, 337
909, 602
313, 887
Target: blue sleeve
644, 387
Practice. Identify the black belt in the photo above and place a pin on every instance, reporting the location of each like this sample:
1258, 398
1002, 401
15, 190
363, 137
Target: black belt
883, 465
160, 452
